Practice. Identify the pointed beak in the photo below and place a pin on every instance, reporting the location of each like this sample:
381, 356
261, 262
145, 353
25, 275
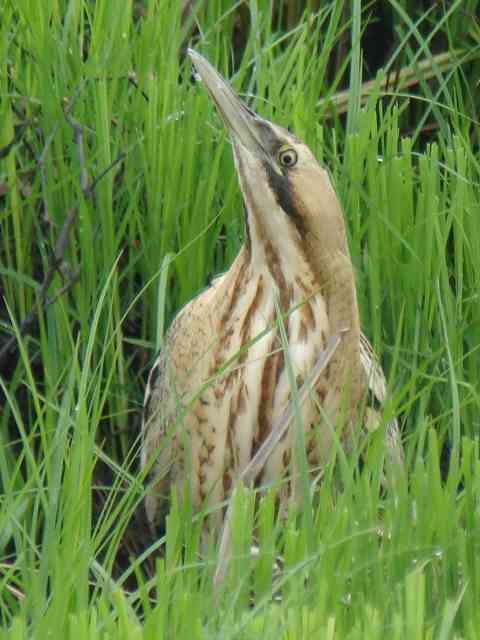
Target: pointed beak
244, 126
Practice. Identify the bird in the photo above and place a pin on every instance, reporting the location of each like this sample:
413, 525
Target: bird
221, 380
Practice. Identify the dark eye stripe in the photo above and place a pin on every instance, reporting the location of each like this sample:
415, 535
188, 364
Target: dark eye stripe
281, 187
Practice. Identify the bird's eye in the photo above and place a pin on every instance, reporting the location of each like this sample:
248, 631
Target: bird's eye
287, 157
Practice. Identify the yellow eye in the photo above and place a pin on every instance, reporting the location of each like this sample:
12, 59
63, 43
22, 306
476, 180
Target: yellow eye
287, 157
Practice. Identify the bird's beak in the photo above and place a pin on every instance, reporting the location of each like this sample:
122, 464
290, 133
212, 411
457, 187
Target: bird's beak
243, 124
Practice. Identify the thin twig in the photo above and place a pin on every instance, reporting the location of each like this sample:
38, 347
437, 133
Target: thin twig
31, 122
406, 77
17, 136
54, 262
78, 132
120, 158
43, 179
57, 255
256, 464
132, 79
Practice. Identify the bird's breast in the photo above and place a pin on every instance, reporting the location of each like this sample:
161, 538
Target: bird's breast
250, 386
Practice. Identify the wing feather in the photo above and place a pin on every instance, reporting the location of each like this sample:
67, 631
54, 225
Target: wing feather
378, 388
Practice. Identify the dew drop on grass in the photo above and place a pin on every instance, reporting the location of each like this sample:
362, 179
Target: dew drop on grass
175, 117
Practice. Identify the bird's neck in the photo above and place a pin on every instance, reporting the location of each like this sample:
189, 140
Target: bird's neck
313, 267
336, 279
335, 275
305, 264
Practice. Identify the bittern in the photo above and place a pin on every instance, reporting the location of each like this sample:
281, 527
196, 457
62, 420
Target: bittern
221, 382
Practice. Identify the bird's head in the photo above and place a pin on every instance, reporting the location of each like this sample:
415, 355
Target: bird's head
288, 195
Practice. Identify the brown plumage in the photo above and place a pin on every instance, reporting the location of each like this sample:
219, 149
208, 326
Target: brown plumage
221, 381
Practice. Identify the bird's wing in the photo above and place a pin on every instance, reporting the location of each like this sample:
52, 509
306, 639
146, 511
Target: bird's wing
161, 409
156, 418
378, 390
183, 357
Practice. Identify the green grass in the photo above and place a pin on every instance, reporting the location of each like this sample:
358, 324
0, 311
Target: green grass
165, 217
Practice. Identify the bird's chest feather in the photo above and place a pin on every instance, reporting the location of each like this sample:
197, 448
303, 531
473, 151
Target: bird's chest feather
250, 385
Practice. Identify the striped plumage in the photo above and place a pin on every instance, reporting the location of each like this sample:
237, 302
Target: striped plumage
220, 381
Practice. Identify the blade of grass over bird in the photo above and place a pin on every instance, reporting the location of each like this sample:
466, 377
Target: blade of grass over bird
251, 471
